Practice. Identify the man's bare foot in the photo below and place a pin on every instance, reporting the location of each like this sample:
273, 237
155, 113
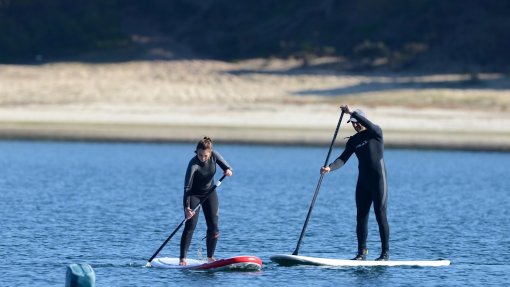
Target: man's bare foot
182, 262
211, 259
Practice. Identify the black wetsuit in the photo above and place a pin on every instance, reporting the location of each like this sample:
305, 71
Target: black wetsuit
371, 186
197, 184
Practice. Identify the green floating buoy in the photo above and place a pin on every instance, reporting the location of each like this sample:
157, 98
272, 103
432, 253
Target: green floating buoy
80, 275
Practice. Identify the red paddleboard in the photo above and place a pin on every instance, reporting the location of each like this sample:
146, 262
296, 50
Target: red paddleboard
237, 263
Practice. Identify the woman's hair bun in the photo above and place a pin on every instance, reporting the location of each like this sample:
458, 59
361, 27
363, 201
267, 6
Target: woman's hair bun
205, 143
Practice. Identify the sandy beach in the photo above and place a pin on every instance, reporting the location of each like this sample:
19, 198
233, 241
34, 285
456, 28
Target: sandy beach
257, 101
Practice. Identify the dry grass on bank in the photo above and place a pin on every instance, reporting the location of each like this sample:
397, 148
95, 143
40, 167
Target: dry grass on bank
197, 82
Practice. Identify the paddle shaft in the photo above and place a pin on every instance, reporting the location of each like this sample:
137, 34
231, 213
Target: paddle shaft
296, 251
184, 220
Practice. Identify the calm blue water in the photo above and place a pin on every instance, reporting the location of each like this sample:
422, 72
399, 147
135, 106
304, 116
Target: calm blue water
112, 205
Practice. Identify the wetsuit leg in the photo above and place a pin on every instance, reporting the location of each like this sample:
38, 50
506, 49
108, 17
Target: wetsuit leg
189, 227
380, 197
210, 207
363, 203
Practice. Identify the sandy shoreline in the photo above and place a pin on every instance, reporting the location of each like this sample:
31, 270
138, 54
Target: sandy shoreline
249, 102
305, 125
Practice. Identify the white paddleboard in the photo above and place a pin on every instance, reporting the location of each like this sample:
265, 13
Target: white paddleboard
237, 263
290, 260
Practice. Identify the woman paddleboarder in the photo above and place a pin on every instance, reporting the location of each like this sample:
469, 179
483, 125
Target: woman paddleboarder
197, 185
368, 145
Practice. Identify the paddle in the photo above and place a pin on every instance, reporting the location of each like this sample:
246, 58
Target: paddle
296, 251
182, 222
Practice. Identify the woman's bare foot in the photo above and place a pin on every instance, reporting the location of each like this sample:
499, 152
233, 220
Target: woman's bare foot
182, 262
211, 259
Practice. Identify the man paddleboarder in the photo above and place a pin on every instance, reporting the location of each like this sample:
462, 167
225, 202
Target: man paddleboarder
368, 146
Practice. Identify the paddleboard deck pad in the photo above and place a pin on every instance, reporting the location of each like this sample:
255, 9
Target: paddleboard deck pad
237, 263
292, 260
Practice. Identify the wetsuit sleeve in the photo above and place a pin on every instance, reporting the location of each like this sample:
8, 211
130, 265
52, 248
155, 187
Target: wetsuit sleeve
371, 127
348, 151
188, 182
338, 163
221, 161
